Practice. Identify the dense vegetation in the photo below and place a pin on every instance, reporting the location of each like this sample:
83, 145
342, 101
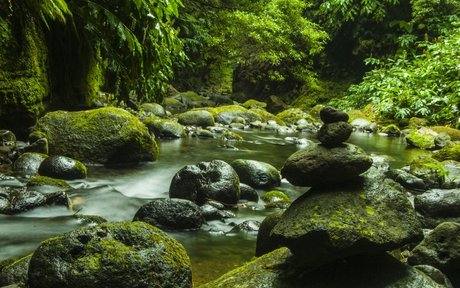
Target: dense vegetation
401, 55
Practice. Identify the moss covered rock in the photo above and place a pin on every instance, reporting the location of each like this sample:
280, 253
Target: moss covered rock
422, 138
153, 109
164, 128
431, 171
279, 270
276, 199
106, 135
323, 225
391, 130
200, 118
292, 115
23, 75
118, 255
265, 242
15, 272
321, 166
47, 181
334, 134
267, 116
441, 249
257, 174
449, 152
227, 114
252, 103
453, 133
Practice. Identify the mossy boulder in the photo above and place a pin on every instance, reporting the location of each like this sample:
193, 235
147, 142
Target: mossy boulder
153, 109
441, 249
431, 171
324, 225
265, 243
118, 255
47, 181
279, 270
292, 115
248, 193
252, 103
227, 114
321, 166
367, 112
276, 199
106, 135
15, 272
453, 133
421, 138
172, 214
24, 83
200, 118
215, 180
449, 152
257, 174
416, 123
164, 128
62, 167
391, 130
28, 163
267, 116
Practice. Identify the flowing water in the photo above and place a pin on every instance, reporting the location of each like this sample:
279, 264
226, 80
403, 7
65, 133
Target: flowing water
116, 194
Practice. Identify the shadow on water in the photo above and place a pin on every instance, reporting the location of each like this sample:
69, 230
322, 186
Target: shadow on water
116, 194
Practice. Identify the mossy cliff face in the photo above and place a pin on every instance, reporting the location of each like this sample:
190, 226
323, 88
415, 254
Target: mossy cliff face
117, 255
23, 75
106, 135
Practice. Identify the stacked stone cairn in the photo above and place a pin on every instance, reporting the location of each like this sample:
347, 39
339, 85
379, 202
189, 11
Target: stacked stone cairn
340, 232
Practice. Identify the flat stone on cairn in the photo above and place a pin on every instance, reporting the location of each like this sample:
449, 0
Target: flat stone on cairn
336, 129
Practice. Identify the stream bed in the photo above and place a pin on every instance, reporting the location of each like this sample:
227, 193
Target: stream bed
116, 194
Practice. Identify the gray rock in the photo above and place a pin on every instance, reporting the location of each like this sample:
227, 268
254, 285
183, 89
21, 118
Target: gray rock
165, 129
172, 214
257, 174
215, 180
246, 227
62, 167
407, 180
320, 166
248, 193
439, 203
441, 249
28, 163
435, 274
15, 200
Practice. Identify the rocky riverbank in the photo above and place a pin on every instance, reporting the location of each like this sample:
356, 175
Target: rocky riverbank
358, 214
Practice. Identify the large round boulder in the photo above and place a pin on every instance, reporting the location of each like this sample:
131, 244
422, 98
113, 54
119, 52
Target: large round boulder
215, 180
319, 166
200, 118
106, 135
62, 167
441, 249
171, 214
257, 174
324, 225
278, 270
153, 109
117, 255
230, 113
28, 163
334, 134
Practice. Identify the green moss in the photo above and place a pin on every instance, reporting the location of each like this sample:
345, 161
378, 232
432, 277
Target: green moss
453, 133
252, 103
450, 152
416, 123
226, 108
105, 135
428, 169
367, 112
43, 180
189, 96
23, 75
200, 117
391, 130
292, 115
232, 136
267, 116
314, 112
420, 139
277, 199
